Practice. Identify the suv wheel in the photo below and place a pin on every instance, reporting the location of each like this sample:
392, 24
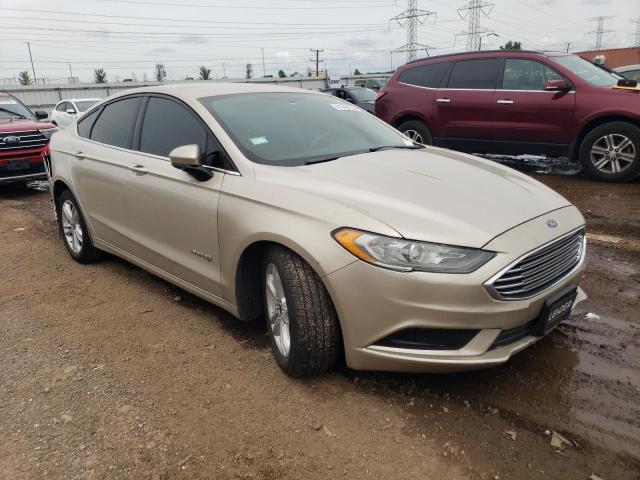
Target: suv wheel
73, 230
416, 131
301, 320
611, 152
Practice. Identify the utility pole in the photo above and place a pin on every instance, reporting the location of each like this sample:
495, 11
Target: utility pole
318, 60
474, 10
263, 70
568, 45
636, 34
411, 17
35, 80
70, 74
224, 70
600, 30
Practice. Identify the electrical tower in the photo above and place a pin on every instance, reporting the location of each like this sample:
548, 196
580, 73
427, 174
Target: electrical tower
636, 34
600, 30
474, 10
411, 17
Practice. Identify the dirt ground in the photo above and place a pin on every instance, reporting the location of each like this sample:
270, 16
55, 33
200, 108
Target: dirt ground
107, 372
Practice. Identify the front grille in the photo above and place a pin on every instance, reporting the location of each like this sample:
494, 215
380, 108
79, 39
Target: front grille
540, 269
428, 339
29, 139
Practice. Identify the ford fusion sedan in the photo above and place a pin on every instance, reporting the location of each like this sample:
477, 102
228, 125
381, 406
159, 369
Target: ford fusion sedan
66, 111
300, 210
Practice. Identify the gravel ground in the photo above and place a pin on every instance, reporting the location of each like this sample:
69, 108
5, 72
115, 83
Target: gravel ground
108, 372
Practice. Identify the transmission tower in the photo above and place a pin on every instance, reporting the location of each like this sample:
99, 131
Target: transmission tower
411, 17
636, 35
600, 30
474, 10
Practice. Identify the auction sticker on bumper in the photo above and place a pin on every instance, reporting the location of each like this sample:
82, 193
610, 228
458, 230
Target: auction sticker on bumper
555, 310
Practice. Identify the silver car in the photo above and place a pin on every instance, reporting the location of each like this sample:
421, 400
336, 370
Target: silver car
302, 209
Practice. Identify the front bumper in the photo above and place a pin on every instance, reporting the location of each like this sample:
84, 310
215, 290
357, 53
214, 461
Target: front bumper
33, 169
374, 303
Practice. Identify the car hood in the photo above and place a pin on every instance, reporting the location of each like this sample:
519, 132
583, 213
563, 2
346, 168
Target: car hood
433, 194
20, 125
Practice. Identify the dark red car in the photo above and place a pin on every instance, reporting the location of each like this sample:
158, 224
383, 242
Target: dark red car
24, 141
516, 102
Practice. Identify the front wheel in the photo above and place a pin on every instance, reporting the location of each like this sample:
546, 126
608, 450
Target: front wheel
416, 131
301, 319
611, 152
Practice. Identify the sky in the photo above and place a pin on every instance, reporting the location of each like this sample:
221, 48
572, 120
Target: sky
128, 37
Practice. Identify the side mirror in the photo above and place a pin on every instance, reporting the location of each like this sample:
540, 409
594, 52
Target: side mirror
186, 156
557, 86
71, 111
41, 115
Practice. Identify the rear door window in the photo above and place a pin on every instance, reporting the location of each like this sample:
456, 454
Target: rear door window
522, 74
480, 74
428, 75
115, 124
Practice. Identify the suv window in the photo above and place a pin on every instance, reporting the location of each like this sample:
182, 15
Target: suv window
168, 125
86, 122
115, 124
475, 74
521, 74
428, 75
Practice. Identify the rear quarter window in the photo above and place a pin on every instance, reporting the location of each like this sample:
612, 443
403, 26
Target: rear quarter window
429, 75
86, 122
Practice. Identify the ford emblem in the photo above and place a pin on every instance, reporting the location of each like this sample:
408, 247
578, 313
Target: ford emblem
552, 223
11, 139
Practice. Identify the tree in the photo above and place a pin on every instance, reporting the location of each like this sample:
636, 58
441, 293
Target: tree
249, 73
99, 75
24, 78
294, 74
511, 45
205, 73
161, 73
281, 74
356, 72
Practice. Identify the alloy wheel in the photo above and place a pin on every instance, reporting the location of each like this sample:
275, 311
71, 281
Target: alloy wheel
613, 153
71, 226
414, 135
277, 310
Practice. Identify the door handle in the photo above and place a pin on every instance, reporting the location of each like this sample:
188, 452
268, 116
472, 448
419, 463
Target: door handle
139, 169
79, 155
443, 100
505, 102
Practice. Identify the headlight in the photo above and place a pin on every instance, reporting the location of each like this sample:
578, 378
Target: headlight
407, 255
47, 132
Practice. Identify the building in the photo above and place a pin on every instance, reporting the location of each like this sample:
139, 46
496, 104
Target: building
614, 57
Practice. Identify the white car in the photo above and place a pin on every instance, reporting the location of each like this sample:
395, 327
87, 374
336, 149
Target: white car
66, 111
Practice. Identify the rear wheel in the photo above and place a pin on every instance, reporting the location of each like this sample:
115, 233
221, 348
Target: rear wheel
611, 152
416, 131
301, 320
73, 230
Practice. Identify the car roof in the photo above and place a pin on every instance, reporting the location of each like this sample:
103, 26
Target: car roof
626, 68
484, 53
191, 91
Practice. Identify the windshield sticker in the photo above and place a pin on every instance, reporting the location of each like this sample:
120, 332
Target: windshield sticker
344, 107
258, 140
8, 102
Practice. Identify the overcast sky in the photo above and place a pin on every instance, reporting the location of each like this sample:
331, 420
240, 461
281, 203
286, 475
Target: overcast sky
127, 37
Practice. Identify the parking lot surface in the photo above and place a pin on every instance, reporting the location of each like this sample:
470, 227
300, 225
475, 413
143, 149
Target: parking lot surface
110, 372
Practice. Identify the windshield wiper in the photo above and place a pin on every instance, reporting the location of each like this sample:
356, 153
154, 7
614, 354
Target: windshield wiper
385, 147
321, 160
13, 114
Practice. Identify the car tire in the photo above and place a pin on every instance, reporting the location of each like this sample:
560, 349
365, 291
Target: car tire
73, 230
416, 131
301, 320
600, 158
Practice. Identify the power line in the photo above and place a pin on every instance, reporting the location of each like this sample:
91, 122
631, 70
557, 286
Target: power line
473, 10
412, 16
600, 30
253, 7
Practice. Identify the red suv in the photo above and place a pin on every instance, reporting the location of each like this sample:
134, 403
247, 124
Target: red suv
24, 141
515, 102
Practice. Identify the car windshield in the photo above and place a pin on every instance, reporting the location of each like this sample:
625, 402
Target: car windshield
586, 70
292, 129
363, 94
11, 107
84, 105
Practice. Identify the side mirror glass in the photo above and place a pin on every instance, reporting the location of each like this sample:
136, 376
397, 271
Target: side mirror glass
186, 156
557, 86
41, 115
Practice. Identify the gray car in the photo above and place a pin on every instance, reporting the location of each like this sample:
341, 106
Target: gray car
365, 98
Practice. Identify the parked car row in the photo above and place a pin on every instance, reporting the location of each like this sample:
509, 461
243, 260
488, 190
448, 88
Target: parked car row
517, 102
66, 111
303, 211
